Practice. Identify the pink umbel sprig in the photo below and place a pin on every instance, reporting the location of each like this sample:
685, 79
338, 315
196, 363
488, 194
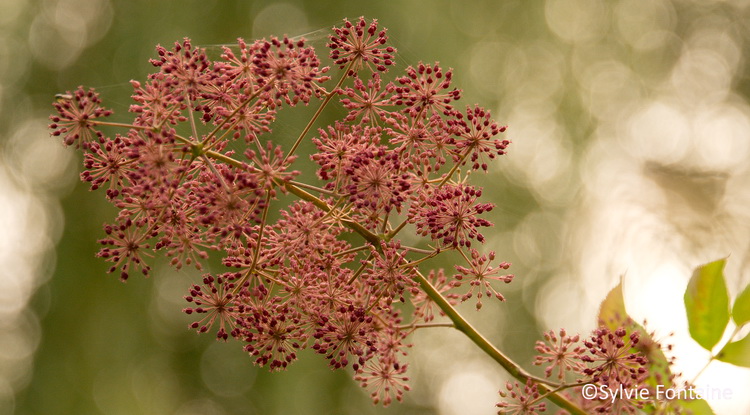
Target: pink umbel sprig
292, 69
389, 275
475, 132
126, 247
425, 142
521, 400
361, 45
76, 116
186, 66
421, 91
368, 100
159, 102
339, 146
314, 261
563, 353
346, 336
216, 299
273, 333
107, 163
385, 378
376, 184
612, 358
449, 215
479, 276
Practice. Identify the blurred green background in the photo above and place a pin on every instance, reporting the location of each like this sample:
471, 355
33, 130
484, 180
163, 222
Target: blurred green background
631, 140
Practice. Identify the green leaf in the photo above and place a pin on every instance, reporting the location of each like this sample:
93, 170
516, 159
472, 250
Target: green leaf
685, 406
696, 407
741, 308
736, 353
613, 315
707, 304
612, 312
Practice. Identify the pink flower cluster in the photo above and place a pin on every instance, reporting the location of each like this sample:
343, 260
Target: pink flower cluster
609, 360
196, 174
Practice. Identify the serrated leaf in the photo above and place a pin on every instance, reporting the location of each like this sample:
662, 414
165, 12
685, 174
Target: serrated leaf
736, 353
707, 304
741, 308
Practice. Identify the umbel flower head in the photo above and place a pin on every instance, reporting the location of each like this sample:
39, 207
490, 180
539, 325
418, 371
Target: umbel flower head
521, 400
614, 361
562, 352
199, 173
361, 44
76, 117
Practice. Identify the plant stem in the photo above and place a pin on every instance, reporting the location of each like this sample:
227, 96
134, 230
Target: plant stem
513, 368
425, 325
356, 227
314, 188
322, 106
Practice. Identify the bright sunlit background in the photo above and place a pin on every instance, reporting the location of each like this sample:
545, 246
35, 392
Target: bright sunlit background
630, 125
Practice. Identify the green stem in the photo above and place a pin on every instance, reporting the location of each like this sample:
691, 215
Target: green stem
513, 368
320, 109
424, 326
314, 188
356, 227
